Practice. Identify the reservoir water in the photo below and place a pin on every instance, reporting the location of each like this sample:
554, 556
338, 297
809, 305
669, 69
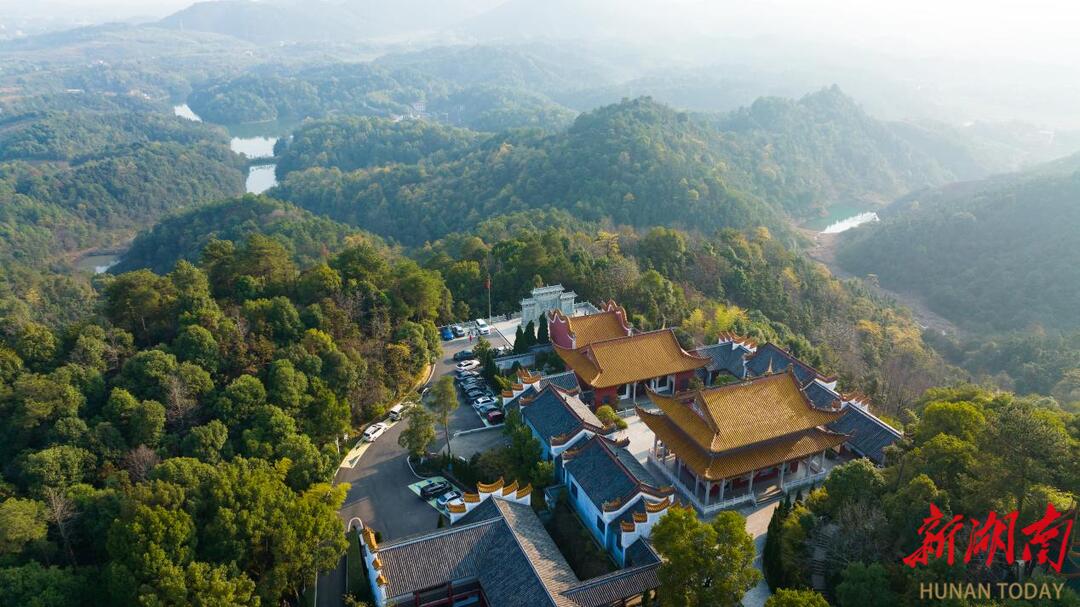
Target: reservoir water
840, 218
249, 142
260, 178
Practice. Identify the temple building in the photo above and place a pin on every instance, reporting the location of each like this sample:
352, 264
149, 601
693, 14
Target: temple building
559, 419
742, 442
612, 362
613, 493
497, 553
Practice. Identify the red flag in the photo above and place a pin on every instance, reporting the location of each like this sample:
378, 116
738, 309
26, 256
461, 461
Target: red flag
487, 283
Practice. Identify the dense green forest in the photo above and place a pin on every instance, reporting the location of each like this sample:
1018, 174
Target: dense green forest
1000, 258
638, 163
307, 238
351, 143
963, 456
172, 427
73, 181
179, 444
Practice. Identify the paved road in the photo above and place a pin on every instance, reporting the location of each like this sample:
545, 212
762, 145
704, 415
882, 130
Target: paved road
379, 494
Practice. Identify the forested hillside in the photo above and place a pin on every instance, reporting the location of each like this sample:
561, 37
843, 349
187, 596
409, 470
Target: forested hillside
636, 163
997, 258
192, 426
748, 283
352, 143
307, 238
77, 180
372, 89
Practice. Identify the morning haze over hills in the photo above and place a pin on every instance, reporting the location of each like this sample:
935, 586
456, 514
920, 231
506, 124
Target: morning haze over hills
255, 254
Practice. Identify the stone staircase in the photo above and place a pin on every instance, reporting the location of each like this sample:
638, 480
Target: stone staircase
818, 554
770, 494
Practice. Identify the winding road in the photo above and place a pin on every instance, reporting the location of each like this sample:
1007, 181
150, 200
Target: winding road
379, 495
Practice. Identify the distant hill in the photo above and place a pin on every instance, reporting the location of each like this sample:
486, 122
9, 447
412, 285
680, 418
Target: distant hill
272, 21
307, 237
637, 163
999, 254
642, 163
267, 22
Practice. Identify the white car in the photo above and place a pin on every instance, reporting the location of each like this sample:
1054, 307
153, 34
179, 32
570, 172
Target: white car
468, 365
373, 432
482, 401
450, 497
482, 327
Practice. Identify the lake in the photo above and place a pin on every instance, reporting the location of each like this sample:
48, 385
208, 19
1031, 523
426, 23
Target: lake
260, 178
840, 218
253, 141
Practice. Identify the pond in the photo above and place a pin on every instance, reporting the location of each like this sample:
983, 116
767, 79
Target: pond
840, 218
97, 263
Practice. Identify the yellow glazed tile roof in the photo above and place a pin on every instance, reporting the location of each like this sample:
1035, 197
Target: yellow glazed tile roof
743, 414
595, 327
715, 467
623, 360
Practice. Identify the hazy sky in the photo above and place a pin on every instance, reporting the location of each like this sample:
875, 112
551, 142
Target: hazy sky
1045, 31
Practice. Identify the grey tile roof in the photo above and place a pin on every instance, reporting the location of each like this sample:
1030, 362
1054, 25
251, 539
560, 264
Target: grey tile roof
505, 548
773, 357
640, 575
870, 435
606, 472
432, 559
555, 413
821, 396
641, 553
566, 380
726, 357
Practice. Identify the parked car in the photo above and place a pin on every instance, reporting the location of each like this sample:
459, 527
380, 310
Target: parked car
464, 355
374, 431
459, 331
446, 333
397, 411
485, 409
478, 393
482, 327
495, 417
503, 350
468, 365
434, 489
447, 498
483, 400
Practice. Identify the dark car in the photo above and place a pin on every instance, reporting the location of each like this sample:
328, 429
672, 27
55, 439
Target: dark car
475, 393
463, 355
434, 489
495, 417
446, 333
